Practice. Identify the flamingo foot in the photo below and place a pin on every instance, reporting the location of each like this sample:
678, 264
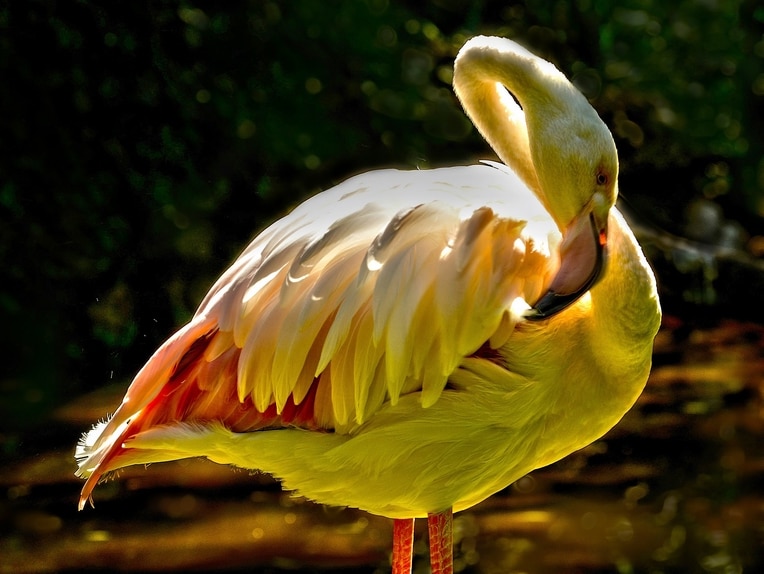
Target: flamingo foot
441, 529
403, 542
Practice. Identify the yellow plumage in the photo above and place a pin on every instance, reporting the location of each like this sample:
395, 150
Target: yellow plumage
411, 342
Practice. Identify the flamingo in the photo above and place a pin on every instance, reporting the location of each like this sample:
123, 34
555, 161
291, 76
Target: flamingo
410, 342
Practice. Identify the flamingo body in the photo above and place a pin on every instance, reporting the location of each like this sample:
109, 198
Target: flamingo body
374, 347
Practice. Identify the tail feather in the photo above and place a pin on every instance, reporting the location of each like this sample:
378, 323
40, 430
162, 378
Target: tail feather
184, 383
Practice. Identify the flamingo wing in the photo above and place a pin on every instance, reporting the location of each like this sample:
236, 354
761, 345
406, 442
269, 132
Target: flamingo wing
375, 289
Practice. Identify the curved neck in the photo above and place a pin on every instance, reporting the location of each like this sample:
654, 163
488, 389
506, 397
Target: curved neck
498, 118
624, 304
522, 135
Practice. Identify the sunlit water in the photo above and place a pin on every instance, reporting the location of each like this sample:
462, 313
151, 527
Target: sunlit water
676, 487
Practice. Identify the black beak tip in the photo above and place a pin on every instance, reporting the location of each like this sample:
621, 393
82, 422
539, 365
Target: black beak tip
549, 305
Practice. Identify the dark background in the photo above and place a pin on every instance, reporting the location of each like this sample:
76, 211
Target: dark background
143, 144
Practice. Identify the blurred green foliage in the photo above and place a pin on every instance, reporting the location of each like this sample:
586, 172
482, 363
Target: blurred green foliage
144, 143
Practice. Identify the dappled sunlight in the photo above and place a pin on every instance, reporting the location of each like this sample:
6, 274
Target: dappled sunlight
675, 486
148, 143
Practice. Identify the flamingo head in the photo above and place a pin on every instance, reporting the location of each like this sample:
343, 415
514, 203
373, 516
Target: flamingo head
549, 133
576, 163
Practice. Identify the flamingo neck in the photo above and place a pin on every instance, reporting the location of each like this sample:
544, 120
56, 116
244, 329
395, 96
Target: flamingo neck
498, 118
624, 304
528, 112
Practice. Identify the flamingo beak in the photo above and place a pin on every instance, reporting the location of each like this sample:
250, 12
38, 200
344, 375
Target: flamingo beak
582, 255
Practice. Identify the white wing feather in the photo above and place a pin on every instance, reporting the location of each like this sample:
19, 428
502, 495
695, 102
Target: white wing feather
380, 286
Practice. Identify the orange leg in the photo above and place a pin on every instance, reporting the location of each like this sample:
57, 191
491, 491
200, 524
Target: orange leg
403, 541
441, 529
